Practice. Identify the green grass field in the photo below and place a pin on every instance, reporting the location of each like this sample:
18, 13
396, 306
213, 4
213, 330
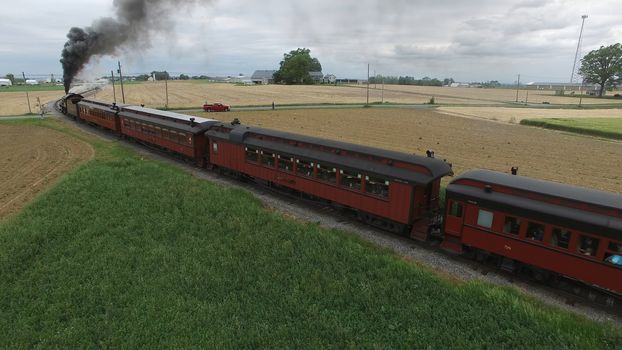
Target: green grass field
127, 253
603, 127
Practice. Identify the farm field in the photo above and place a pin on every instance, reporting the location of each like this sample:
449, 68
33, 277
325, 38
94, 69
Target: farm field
184, 94
466, 143
31, 159
475, 95
126, 252
15, 103
515, 115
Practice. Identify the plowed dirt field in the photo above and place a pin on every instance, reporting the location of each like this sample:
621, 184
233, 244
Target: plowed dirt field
32, 158
467, 143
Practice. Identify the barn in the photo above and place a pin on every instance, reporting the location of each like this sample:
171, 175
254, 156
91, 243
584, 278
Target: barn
263, 77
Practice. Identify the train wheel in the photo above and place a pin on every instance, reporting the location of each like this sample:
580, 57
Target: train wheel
540, 275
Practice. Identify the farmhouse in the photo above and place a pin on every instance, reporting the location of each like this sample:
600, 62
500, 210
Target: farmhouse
317, 77
330, 79
263, 77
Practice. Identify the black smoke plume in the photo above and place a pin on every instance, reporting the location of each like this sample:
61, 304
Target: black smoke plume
135, 21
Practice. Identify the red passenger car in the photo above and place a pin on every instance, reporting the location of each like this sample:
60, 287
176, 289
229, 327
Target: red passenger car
550, 227
175, 132
100, 113
395, 190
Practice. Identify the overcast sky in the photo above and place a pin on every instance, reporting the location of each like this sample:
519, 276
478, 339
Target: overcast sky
474, 40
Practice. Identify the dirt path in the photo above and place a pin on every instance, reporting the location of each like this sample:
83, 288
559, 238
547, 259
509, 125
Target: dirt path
32, 158
467, 143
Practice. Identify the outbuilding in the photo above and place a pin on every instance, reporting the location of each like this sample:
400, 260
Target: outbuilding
5, 82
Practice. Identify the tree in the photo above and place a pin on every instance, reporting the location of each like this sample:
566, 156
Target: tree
295, 67
183, 77
142, 77
11, 77
160, 75
603, 66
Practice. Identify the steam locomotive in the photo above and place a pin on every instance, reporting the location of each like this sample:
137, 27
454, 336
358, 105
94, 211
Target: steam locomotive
550, 229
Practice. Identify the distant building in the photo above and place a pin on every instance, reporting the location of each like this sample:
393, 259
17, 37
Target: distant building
351, 81
263, 77
31, 82
560, 86
330, 79
5, 82
317, 77
454, 85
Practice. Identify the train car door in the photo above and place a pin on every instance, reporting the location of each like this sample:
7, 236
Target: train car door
454, 221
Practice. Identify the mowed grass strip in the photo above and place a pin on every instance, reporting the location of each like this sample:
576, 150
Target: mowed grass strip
602, 127
128, 253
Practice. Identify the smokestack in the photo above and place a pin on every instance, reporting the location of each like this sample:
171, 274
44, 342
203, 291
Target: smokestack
134, 22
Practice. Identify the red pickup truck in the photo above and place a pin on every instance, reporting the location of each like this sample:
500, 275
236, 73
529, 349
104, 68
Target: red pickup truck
215, 107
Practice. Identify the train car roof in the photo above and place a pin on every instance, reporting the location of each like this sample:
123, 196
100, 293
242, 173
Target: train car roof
166, 114
549, 188
98, 103
197, 128
437, 168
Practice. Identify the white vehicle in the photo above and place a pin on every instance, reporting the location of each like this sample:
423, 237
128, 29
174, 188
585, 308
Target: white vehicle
5, 82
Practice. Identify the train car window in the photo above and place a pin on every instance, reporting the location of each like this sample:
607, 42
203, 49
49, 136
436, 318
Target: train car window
286, 163
484, 218
587, 245
165, 134
377, 186
189, 139
326, 173
351, 179
616, 247
511, 225
535, 231
215, 147
252, 155
158, 131
267, 158
455, 209
560, 237
126, 123
304, 168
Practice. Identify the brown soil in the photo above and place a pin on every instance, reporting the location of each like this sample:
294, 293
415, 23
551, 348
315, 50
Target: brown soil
31, 159
467, 143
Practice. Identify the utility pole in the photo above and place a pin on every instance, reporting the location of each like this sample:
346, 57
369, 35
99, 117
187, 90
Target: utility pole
121, 80
166, 88
375, 79
114, 91
367, 104
581, 91
27, 97
517, 85
382, 99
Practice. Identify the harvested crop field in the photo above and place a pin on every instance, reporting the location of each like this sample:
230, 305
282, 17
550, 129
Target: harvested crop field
467, 143
31, 158
15, 103
515, 115
182, 94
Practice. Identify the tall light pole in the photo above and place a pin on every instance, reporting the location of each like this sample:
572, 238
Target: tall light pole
577, 55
